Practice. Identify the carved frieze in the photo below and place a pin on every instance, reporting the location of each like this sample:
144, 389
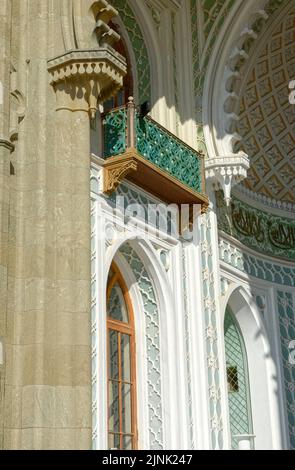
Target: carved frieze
259, 230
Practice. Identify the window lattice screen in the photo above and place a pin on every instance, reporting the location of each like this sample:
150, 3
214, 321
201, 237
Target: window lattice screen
237, 379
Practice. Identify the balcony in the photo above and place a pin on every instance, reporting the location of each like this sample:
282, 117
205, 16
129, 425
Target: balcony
140, 150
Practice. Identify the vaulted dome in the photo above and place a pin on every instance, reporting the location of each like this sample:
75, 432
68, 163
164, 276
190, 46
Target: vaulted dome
266, 116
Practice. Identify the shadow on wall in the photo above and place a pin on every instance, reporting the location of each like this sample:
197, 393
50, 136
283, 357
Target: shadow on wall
265, 385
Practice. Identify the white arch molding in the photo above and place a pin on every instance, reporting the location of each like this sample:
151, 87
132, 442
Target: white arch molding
263, 376
168, 341
222, 87
151, 38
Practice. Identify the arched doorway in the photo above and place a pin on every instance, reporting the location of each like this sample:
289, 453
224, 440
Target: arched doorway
239, 402
121, 365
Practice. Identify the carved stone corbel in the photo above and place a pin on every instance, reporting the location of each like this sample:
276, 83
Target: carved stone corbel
84, 78
226, 172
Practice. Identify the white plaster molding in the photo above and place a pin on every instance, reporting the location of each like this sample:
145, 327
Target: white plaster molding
226, 74
262, 369
222, 79
176, 425
224, 237
141, 355
169, 338
280, 208
226, 172
237, 280
151, 39
186, 125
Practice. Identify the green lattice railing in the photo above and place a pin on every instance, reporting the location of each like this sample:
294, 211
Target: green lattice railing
155, 143
114, 135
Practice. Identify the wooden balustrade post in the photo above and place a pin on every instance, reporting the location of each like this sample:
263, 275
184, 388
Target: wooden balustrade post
131, 129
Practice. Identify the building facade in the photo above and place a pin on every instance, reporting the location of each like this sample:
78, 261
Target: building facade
147, 225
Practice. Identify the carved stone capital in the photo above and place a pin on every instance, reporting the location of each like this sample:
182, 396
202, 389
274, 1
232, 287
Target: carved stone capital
226, 172
84, 78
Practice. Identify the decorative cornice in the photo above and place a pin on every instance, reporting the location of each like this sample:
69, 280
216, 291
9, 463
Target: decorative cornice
233, 253
261, 231
83, 78
266, 203
226, 172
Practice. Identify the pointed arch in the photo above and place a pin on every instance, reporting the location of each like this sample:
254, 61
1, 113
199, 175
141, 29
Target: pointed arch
268, 427
239, 401
121, 359
155, 320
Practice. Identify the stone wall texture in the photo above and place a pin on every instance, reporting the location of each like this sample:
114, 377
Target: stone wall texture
45, 379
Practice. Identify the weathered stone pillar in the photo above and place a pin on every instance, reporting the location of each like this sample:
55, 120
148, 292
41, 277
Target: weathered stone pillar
5, 150
48, 342
80, 80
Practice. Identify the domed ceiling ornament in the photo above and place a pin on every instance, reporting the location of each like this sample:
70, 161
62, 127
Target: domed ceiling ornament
267, 117
247, 28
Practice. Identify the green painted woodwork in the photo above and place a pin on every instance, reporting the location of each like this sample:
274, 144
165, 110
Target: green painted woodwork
114, 125
170, 154
156, 144
237, 369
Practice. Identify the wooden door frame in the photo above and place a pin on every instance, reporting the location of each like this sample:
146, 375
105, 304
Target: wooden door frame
128, 329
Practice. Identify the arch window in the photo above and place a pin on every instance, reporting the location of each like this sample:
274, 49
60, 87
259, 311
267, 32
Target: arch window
122, 422
237, 380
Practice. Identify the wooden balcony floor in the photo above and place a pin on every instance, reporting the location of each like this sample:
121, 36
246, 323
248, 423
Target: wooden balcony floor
135, 168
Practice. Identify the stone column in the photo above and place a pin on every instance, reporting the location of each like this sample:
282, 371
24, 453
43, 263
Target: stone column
80, 80
5, 150
48, 350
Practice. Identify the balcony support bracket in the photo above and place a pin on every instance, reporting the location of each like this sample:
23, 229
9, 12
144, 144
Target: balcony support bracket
116, 169
148, 176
